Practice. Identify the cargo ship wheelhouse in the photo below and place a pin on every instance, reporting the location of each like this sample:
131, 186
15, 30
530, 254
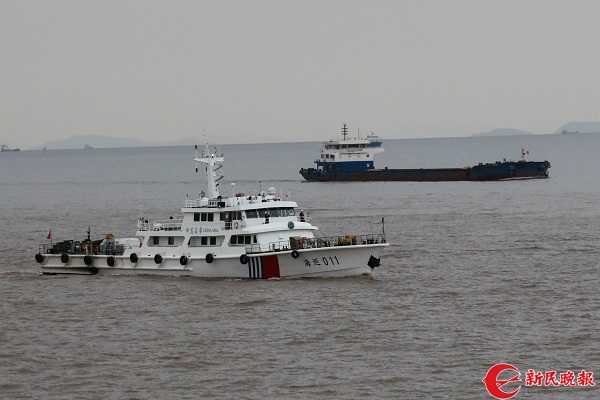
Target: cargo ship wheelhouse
347, 155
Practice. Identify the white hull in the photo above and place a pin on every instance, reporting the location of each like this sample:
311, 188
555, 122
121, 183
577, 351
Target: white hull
339, 261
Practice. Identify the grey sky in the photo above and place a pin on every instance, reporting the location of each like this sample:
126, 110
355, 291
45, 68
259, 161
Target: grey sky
277, 71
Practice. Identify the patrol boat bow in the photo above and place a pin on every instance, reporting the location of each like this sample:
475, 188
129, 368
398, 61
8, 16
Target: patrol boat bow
257, 237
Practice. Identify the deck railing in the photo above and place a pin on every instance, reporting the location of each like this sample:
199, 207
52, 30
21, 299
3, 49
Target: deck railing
318, 242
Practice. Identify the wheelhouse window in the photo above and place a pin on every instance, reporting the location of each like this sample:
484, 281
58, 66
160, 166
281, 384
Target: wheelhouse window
275, 212
251, 214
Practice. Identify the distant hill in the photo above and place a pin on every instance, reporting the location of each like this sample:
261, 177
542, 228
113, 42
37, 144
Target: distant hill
580, 127
100, 141
503, 132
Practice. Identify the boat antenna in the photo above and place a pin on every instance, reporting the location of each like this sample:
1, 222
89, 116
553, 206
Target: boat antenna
383, 225
344, 131
140, 200
196, 148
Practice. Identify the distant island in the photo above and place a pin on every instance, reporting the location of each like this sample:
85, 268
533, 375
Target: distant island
503, 132
568, 128
100, 141
579, 127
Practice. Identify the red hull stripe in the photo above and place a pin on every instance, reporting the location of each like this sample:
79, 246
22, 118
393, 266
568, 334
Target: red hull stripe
270, 267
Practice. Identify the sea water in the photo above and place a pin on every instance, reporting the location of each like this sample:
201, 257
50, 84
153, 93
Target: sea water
478, 273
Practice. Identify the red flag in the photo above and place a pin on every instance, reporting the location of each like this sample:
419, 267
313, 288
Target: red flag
49, 237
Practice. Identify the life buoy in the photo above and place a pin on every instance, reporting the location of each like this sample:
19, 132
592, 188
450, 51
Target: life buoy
295, 253
133, 258
64, 257
183, 260
236, 225
110, 261
158, 258
210, 258
87, 260
244, 259
39, 258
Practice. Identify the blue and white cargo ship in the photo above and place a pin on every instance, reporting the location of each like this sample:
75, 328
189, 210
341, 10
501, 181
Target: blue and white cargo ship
353, 160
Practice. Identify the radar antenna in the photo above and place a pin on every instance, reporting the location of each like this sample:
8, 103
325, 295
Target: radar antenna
213, 162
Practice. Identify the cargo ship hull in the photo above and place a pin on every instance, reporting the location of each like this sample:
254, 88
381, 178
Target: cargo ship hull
507, 170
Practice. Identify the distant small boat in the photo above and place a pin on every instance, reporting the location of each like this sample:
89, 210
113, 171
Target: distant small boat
87, 147
565, 132
374, 140
6, 148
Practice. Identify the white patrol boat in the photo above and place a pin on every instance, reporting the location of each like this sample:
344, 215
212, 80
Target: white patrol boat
256, 237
